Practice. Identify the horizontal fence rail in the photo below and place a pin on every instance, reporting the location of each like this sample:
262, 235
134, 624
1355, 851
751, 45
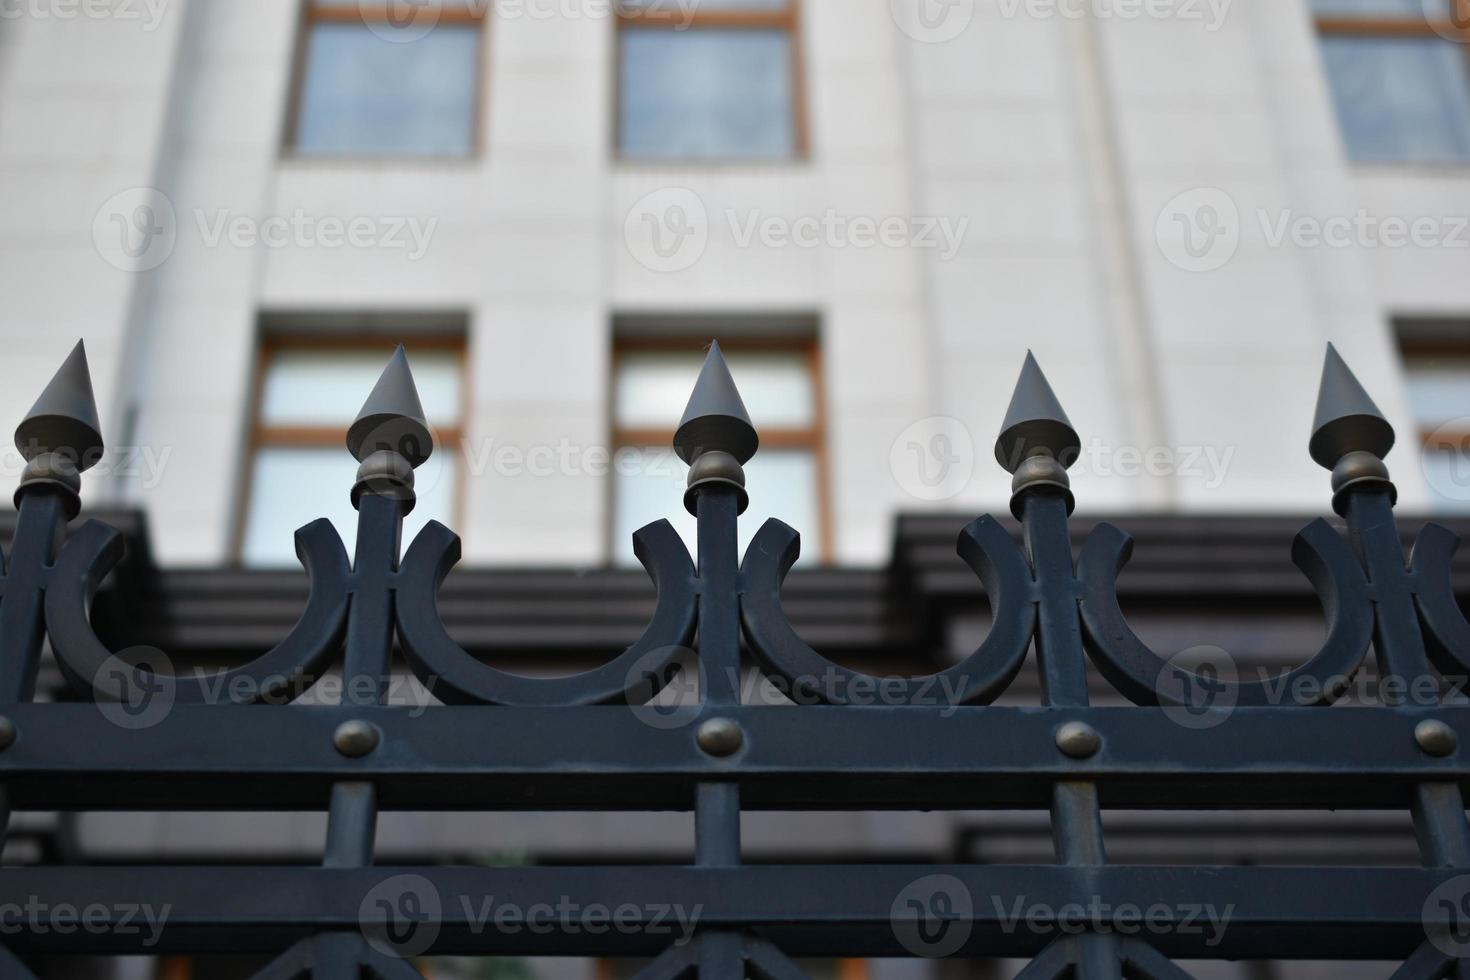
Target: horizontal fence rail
661, 725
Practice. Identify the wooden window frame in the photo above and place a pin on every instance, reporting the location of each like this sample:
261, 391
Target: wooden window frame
667, 18
811, 438
1457, 21
1448, 347
447, 438
314, 13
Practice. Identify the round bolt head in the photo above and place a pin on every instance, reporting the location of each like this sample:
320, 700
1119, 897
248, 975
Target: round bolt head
720, 736
355, 738
1078, 740
1435, 737
7, 733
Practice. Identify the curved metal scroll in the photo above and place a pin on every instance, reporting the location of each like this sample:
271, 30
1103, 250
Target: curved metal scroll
1135, 670
979, 679
1445, 629
301, 657
456, 677
329, 954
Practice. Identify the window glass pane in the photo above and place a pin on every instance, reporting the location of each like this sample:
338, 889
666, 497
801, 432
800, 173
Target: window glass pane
705, 93
1372, 8
327, 387
1439, 393
366, 93
652, 387
292, 487
650, 483
1401, 99
1447, 471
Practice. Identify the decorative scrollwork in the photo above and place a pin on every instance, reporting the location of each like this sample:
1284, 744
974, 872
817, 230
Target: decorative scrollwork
979, 679
458, 678
1445, 629
333, 953
282, 673
1135, 670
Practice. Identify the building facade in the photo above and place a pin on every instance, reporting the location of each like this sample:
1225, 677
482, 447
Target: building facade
1175, 206
878, 208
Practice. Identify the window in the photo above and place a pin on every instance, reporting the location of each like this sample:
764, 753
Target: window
1437, 371
781, 385
1400, 78
309, 391
374, 82
717, 80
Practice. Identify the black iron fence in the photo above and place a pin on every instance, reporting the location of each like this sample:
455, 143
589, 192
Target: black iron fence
1198, 736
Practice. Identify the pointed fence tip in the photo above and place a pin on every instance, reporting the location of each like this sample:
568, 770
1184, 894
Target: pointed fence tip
715, 420
64, 419
1346, 420
1035, 424
392, 418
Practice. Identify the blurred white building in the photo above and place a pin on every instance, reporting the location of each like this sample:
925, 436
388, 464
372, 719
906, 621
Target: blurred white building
1175, 204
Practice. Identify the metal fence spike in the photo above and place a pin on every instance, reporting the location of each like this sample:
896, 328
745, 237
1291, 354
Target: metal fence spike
392, 418
64, 419
1035, 424
1347, 420
715, 419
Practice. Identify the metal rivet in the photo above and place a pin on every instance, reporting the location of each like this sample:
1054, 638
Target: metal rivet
1435, 737
355, 738
7, 733
720, 736
1078, 739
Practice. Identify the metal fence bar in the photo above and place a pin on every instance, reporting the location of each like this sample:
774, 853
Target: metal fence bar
805, 910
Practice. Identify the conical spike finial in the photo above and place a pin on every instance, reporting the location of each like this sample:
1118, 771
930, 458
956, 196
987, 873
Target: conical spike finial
1035, 424
1347, 420
715, 419
392, 418
64, 419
